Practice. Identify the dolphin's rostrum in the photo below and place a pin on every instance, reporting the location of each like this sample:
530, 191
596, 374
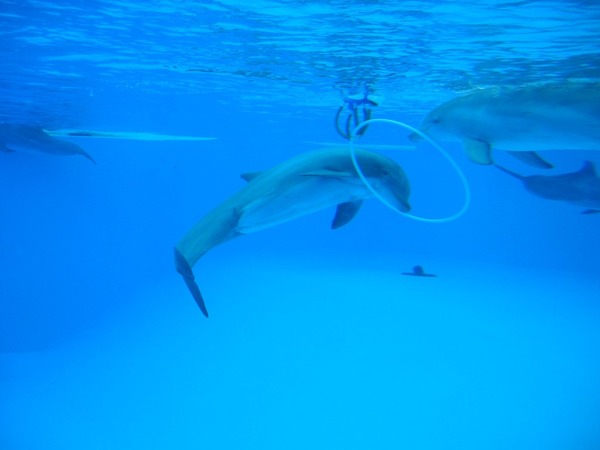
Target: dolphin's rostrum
302, 185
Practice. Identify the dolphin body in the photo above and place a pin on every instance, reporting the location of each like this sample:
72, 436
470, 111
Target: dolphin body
521, 120
302, 185
14, 137
580, 188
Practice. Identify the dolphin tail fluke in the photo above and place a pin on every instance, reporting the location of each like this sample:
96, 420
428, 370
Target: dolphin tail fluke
183, 267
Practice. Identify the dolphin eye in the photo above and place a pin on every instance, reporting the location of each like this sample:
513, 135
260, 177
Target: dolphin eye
436, 120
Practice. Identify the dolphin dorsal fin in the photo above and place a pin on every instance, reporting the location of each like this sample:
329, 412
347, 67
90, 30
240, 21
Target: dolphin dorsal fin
345, 213
588, 168
249, 176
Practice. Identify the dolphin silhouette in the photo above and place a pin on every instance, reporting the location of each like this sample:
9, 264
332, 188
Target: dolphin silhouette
521, 120
15, 137
580, 188
302, 185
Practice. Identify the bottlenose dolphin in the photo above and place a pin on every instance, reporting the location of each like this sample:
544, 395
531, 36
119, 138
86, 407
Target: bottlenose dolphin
14, 137
521, 120
580, 188
302, 185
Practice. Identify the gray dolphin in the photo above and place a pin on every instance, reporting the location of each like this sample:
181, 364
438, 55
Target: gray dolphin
302, 185
521, 120
15, 137
580, 188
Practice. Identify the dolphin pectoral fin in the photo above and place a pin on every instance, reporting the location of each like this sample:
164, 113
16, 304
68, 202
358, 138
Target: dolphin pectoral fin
479, 152
345, 213
591, 211
183, 267
88, 156
5, 149
532, 159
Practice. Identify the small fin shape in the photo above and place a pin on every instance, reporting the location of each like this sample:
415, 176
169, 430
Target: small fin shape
345, 212
88, 156
249, 176
4, 148
183, 267
418, 271
478, 151
591, 211
532, 159
329, 173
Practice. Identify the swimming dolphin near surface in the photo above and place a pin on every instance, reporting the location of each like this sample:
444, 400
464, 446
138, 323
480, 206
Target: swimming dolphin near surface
580, 188
302, 185
14, 137
521, 120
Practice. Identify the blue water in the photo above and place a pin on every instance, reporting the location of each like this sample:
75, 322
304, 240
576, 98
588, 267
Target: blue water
315, 339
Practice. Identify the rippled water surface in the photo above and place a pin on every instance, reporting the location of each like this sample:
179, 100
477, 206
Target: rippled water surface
297, 53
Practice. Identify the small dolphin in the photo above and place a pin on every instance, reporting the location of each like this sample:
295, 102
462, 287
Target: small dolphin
15, 137
418, 271
522, 120
302, 185
580, 188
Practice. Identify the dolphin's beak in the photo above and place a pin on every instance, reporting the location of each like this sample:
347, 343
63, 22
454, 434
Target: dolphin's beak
400, 197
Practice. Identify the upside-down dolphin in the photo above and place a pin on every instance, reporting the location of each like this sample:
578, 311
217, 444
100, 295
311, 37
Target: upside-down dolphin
521, 120
302, 185
580, 188
16, 137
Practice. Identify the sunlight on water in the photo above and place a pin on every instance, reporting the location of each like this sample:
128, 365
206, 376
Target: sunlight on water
414, 51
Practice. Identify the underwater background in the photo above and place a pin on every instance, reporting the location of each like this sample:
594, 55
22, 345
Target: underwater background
316, 339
